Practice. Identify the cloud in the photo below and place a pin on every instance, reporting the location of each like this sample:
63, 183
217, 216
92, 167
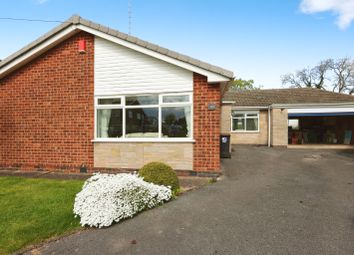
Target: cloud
344, 9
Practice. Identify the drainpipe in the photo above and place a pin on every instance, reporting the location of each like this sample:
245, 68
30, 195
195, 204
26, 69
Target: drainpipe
269, 126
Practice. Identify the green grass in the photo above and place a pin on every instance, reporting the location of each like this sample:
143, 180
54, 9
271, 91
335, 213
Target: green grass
32, 210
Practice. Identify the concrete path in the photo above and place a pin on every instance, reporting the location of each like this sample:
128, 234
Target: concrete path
272, 201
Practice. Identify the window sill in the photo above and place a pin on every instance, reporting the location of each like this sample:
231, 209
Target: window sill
146, 140
245, 132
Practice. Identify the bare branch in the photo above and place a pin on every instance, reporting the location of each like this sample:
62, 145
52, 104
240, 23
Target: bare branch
343, 70
337, 75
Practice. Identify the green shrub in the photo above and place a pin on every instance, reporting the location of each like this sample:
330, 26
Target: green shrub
161, 174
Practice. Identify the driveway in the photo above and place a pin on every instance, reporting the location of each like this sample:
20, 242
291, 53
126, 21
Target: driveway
271, 201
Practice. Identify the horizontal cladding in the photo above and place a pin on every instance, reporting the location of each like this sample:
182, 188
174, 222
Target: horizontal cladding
119, 70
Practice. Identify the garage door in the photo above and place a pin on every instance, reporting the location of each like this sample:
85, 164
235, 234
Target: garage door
321, 125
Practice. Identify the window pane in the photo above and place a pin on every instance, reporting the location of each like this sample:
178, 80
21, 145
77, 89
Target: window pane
252, 115
142, 122
109, 123
142, 100
252, 124
109, 101
176, 121
175, 99
238, 115
238, 124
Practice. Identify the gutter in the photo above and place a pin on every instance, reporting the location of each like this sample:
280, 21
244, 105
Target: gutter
313, 105
292, 106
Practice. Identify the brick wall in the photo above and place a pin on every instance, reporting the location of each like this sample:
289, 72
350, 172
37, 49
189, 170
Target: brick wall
206, 125
47, 114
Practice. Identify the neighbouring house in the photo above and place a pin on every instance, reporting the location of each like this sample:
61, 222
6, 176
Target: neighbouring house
279, 117
87, 97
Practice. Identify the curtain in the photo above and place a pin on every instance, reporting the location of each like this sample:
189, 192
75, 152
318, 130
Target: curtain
187, 114
104, 117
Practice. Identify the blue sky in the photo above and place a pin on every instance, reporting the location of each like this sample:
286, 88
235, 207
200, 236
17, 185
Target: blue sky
256, 39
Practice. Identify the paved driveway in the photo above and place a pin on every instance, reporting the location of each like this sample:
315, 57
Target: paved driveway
272, 201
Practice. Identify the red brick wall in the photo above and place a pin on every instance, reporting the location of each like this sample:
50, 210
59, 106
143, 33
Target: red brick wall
47, 110
206, 125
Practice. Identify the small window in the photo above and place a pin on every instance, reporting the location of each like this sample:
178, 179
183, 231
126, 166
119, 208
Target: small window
109, 101
175, 99
244, 121
142, 100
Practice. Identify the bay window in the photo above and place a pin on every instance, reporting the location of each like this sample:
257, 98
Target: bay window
164, 116
244, 121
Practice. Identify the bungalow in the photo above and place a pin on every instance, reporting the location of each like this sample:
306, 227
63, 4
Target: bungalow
282, 117
85, 97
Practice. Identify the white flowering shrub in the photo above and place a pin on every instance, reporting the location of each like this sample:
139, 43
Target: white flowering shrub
108, 198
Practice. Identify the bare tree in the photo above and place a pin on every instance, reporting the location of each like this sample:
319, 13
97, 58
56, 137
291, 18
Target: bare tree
308, 77
343, 71
302, 78
320, 72
337, 75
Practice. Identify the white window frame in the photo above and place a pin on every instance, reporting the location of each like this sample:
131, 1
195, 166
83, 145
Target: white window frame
160, 105
245, 118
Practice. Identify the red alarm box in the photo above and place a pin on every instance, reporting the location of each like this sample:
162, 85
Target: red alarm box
82, 46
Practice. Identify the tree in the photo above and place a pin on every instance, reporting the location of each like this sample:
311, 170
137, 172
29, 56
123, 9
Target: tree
343, 80
337, 75
240, 84
308, 77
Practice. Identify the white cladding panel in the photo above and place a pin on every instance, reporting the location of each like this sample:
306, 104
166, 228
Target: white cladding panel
119, 70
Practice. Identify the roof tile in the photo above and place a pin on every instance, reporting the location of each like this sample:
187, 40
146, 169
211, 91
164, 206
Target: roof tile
266, 97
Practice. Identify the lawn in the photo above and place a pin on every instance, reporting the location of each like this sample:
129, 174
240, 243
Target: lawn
32, 210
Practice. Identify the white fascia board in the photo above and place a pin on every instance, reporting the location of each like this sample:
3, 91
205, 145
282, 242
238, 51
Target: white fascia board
36, 51
314, 105
321, 110
212, 77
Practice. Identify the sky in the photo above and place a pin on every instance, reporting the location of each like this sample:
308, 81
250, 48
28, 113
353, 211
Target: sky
256, 39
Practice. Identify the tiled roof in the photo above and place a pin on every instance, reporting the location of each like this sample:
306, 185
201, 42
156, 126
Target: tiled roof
266, 97
76, 20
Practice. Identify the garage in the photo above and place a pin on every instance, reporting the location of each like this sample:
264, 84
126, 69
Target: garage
321, 126
293, 118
